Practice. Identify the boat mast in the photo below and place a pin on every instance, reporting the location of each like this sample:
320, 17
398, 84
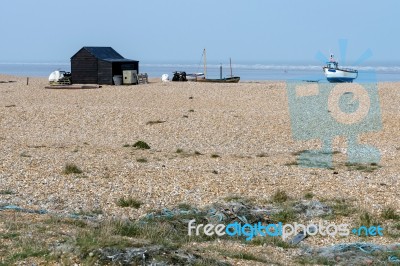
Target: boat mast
205, 62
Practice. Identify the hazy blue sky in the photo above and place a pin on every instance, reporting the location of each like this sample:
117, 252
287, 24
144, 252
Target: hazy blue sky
162, 31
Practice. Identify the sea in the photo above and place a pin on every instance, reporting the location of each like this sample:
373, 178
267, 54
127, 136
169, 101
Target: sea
248, 71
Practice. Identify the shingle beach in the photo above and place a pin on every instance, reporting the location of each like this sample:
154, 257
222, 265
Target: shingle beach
207, 142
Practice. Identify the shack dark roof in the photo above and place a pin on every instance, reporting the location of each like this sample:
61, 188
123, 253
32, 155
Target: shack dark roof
105, 53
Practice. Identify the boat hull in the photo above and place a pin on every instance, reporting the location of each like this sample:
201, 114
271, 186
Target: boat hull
194, 76
338, 80
224, 80
340, 75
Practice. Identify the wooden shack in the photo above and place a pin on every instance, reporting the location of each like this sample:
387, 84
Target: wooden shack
98, 65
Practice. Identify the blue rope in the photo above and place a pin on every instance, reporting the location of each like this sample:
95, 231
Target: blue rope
364, 247
41, 211
212, 211
219, 216
19, 209
393, 259
167, 213
367, 248
10, 207
243, 219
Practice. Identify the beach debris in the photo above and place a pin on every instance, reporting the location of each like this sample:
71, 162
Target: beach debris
311, 80
10, 81
217, 213
16, 208
313, 208
143, 78
153, 122
179, 76
239, 212
36, 146
302, 235
19, 209
11, 105
152, 255
358, 253
165, 78
298, 238
60, 78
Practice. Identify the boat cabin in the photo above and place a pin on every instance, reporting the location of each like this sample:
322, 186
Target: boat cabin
332, 65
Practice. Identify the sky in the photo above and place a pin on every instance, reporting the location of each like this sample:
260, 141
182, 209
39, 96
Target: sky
177, 31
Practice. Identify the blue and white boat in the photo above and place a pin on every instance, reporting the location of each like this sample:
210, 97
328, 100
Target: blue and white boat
334, 73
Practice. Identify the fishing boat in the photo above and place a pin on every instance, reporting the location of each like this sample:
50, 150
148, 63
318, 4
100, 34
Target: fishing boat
334, 73
231, 79
223, 80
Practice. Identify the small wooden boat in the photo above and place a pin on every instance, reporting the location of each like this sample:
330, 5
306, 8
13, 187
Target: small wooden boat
224, 80
231, 79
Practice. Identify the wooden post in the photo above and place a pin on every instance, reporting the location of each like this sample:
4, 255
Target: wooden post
205, 62
27, 81
230, 65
